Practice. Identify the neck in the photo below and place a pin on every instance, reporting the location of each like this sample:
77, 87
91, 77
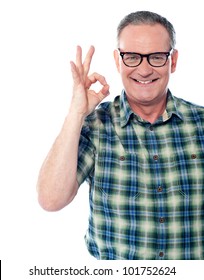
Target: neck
149, 112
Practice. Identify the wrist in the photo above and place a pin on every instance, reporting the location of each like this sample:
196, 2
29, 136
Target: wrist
76, 116
74, 120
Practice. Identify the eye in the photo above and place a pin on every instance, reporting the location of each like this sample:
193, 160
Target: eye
157, 57
131, 57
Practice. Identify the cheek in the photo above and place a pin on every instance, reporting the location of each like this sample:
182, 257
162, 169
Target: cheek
125, 71
165, 73
164, 79
125, 76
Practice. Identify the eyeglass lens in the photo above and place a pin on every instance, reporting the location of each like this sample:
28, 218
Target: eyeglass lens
134, 59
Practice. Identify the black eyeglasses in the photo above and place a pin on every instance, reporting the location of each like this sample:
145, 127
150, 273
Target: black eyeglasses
157, 59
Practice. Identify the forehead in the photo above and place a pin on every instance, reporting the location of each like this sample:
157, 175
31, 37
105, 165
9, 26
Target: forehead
144, 38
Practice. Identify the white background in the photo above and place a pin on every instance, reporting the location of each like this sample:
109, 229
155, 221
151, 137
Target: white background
37, 41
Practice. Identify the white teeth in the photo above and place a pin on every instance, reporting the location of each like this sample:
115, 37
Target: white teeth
145, 82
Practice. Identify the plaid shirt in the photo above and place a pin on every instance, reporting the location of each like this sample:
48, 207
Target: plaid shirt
146, 182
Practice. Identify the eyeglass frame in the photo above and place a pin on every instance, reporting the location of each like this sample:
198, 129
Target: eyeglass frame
147, 56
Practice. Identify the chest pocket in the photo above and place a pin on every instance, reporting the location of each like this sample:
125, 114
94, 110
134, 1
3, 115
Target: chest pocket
189, 163
117, 173
120, 163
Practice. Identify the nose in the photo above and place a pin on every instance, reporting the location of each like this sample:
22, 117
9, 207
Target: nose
144, 69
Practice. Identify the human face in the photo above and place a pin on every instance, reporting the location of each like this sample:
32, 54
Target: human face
145, 84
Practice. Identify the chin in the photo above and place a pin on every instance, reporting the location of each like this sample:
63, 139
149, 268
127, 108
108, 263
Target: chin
145, 98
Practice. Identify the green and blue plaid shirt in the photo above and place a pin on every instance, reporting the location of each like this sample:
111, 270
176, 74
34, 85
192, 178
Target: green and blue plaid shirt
146, 182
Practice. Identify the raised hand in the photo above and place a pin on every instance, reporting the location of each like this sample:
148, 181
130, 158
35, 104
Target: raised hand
85, 99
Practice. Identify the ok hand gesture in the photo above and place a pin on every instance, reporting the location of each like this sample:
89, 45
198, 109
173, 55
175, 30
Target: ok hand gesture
84, 99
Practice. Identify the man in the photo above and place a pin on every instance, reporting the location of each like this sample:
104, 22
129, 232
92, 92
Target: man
142, 154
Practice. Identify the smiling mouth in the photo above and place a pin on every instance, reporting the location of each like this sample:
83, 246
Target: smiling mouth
145, 82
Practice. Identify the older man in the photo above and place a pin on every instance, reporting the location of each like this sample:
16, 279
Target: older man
142, 154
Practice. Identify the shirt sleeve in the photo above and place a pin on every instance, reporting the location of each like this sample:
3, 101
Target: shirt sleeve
86, 155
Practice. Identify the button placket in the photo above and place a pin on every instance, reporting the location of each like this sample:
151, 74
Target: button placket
154, 150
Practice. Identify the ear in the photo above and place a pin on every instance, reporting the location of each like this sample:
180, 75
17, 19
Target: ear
174, 58
117, 59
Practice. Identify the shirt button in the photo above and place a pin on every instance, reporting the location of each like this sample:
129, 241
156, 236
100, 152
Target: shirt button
161, 254
193, 156
122, 158
161, 220
151, 128
159, 189
155, 157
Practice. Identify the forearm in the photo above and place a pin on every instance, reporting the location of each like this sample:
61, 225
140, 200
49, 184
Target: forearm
57, 183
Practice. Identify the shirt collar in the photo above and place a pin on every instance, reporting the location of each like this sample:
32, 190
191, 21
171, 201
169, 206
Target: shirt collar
126, 112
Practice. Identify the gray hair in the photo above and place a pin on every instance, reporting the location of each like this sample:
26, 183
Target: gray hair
146, 17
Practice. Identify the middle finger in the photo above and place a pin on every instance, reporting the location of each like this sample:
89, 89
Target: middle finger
87, 61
